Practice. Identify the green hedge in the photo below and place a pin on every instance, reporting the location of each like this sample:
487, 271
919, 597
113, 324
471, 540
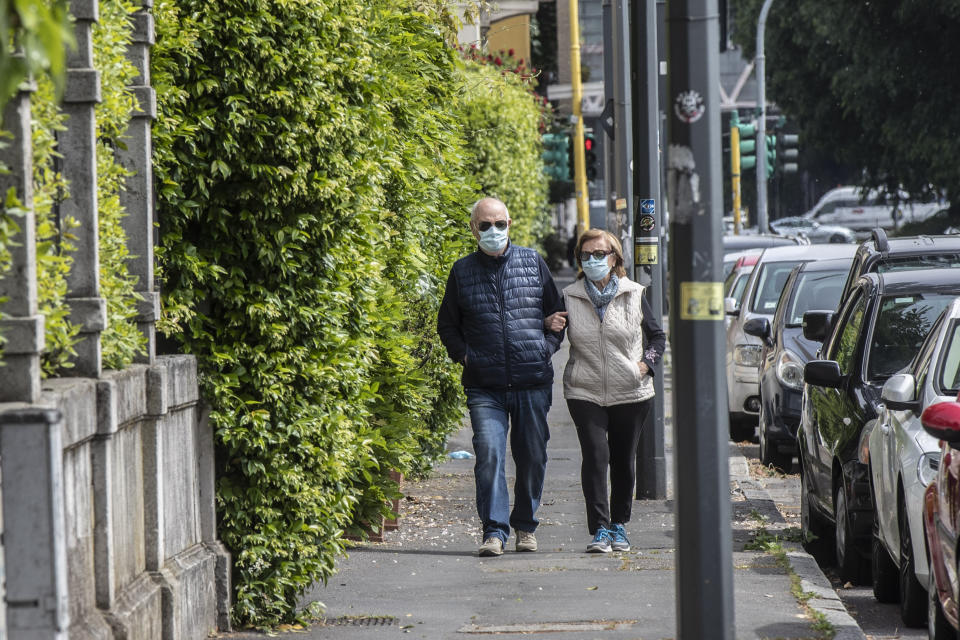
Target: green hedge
315, 162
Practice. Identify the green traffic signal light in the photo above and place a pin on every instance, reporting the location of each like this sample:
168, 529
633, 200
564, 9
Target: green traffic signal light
787, 152
748, 144
556, 156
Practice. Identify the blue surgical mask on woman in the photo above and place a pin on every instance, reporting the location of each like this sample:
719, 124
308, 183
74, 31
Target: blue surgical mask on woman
493, 239
596, 268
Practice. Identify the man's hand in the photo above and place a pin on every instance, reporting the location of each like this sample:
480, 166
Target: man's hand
644, 369
555, 321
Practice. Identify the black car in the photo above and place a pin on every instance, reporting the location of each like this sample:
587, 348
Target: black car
811, 285
879, 328
882, 254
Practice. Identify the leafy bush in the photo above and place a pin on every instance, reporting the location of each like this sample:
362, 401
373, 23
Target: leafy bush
315, 162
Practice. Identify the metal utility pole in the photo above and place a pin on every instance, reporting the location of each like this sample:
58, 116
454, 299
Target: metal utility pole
576, 89
762, 226
703, 511
647, 222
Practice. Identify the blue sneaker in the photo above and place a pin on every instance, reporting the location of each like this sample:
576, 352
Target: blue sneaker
620, 541
601, 542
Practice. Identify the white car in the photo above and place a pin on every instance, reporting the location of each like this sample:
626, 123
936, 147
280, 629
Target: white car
903, 459
862, 211
760, 297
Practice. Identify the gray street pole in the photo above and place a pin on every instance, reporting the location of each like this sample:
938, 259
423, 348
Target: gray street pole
647, 220
701, 477
762, 225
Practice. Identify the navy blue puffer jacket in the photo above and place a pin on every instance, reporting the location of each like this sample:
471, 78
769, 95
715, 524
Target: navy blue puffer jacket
493, 315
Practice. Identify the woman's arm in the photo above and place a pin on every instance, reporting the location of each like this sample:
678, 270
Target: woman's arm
655, 340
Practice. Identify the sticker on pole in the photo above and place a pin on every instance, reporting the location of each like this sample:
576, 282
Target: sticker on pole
648, 206
701, 301
647, 223
646, 251
689, 106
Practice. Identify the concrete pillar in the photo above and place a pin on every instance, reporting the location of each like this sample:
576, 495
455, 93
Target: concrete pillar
21, 326
153, 467
137, 199
78, 145
31, 457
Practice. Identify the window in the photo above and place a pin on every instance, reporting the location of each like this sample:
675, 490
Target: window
844, 346
929, 261
814, 290
902, 324
770, 281
949, 379
737, 291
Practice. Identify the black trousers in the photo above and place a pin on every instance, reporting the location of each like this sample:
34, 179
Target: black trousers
608, 439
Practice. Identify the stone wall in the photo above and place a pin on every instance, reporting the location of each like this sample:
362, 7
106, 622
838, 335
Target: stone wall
108, 521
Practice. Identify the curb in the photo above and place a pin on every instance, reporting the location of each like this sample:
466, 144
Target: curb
826, 601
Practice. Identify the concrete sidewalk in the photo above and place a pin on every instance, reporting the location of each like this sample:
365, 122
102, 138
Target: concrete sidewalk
426, 579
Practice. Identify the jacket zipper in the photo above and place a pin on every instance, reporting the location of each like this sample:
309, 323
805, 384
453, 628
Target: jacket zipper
603, 356
503, 325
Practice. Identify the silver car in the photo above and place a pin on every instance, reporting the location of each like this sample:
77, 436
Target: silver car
816, 232
903, 459
760, 297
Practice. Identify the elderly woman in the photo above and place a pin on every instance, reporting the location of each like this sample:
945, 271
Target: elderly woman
614, 345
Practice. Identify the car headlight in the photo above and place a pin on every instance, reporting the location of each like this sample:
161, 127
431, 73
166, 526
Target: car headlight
747, 355
790, 370
927, 467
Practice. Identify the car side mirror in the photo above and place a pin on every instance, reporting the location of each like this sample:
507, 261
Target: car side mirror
900, 392
730, 306
942, 421
823, 373
758, 327
816, 325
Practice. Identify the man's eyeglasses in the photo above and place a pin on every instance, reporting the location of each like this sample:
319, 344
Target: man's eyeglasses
597, 255
500, 224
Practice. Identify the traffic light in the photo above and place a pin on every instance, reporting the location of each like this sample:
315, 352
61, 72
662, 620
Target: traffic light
747, 143
556, 162
787, 152
771, 149
590, 155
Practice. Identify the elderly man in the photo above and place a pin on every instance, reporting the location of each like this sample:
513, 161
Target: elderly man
491, 321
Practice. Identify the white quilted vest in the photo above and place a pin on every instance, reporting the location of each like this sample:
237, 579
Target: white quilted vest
603, 355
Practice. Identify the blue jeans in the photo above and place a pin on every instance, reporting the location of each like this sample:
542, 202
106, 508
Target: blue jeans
492, 414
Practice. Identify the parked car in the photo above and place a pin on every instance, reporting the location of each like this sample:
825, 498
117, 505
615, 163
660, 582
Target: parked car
941, 523
903, 460
883, 254
734, 259
733, 243
811, 285
815, 231
736, 281
863, 210
879, 328
760, 298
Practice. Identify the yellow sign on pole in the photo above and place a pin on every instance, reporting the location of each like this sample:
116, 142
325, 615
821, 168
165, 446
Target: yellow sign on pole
701, 301
645, 254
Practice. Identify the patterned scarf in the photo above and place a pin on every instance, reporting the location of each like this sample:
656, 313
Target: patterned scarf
599, 298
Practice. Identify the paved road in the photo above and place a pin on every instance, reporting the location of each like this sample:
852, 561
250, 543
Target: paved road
878, 621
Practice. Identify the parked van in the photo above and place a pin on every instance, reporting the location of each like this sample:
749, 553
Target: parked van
862, 211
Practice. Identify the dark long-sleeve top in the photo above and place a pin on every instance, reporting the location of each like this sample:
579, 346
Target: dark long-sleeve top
654, 338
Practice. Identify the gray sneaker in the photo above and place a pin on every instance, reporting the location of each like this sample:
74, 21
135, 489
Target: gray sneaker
492, 546
619, 541
601, 542
526, 541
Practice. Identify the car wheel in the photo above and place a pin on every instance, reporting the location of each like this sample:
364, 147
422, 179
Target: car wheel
741, 429
837, 238
886, 583
849, 561
937, 626
770, 455
913, 609
816, 530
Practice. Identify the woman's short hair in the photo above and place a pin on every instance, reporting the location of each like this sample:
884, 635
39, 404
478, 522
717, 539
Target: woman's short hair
593, 234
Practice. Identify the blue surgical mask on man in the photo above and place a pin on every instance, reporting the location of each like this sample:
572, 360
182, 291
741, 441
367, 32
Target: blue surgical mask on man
493, 239
596, 268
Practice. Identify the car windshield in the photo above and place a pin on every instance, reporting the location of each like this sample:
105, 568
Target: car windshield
818, 290
949, 382
736, 291
770, 281
910, 263
902, 325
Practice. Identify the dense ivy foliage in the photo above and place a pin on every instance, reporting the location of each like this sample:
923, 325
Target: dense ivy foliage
39, 30
316, 161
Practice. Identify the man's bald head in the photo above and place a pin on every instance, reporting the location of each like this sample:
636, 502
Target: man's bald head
487, 205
